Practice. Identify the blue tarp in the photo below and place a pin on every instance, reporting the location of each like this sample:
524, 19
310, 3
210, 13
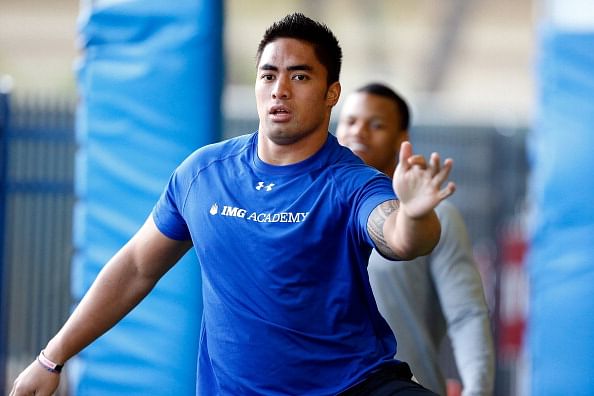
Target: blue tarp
150, 86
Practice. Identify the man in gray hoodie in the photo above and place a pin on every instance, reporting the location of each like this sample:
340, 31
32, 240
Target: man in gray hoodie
434, 295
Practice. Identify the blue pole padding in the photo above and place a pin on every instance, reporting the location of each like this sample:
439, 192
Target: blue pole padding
150, 85
561, 256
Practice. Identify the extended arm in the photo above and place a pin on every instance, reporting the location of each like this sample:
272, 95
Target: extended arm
126, 279
409, 228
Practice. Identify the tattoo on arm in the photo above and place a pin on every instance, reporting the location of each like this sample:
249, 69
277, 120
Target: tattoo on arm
375, 226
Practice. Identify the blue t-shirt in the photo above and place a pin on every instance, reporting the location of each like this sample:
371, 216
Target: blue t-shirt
288, 309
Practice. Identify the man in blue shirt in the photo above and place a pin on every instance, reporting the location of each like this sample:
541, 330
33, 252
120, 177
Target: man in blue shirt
283, 222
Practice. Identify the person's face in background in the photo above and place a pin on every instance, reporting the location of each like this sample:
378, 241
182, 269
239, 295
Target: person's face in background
369, 125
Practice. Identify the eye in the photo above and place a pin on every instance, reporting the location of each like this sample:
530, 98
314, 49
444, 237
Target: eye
376, 126
267, 77
300, 77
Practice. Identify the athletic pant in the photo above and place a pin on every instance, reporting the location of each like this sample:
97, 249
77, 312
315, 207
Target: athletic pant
388, 380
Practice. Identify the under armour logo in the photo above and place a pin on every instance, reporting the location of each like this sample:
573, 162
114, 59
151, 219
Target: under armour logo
261, 186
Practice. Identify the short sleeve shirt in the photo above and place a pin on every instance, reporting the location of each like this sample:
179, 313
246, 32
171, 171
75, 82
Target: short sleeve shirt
283, 250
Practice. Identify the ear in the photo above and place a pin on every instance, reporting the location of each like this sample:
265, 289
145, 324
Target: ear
333, 94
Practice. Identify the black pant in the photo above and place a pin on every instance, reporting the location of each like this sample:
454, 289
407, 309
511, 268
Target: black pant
387, 380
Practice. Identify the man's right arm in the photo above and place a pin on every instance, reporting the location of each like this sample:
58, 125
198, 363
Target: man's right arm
124, 281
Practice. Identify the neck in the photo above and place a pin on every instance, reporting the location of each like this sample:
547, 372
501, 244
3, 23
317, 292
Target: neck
389, 170
287, 154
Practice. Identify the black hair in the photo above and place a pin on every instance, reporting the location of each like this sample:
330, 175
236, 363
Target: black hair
300, 27
387, 92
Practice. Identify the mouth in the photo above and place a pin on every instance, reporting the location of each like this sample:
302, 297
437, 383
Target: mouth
274, 110
357, 147
280, 113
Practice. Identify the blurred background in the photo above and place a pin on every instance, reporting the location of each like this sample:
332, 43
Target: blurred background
467, 68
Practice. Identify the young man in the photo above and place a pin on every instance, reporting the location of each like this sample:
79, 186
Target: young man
282, 221
430, 296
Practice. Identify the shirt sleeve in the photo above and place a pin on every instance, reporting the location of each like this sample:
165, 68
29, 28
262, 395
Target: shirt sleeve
462, 299
167, 212
374, 192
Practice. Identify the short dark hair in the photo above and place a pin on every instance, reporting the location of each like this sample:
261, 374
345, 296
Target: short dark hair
387, 92
300, 27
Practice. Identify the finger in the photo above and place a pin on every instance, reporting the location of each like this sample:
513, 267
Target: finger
447, 191
434, 164
417, 160
405, 154
444, 172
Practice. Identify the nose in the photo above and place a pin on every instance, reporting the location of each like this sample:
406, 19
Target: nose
281, 89
359, 129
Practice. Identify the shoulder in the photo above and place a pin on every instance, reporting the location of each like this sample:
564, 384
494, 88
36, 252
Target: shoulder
449, 217
350, 172
446, 208
454, 243
361, 186
214, 153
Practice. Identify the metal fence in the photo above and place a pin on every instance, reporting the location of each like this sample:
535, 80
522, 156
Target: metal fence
36, 231
3, 264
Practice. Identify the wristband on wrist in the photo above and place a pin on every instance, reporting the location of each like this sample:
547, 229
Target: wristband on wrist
48, 364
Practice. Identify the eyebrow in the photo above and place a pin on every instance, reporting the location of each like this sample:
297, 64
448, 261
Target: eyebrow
268, 66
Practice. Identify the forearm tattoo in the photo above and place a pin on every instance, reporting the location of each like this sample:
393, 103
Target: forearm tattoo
375, 226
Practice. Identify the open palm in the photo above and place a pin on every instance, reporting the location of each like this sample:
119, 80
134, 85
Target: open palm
418, 184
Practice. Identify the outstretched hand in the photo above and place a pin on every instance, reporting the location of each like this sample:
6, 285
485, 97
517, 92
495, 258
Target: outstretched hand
418, 184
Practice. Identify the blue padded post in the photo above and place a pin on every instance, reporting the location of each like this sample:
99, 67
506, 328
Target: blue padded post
561, 258
150, 88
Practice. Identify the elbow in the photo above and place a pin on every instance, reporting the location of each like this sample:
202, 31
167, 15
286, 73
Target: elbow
429, 248
432, 235
432, 240
423, 243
